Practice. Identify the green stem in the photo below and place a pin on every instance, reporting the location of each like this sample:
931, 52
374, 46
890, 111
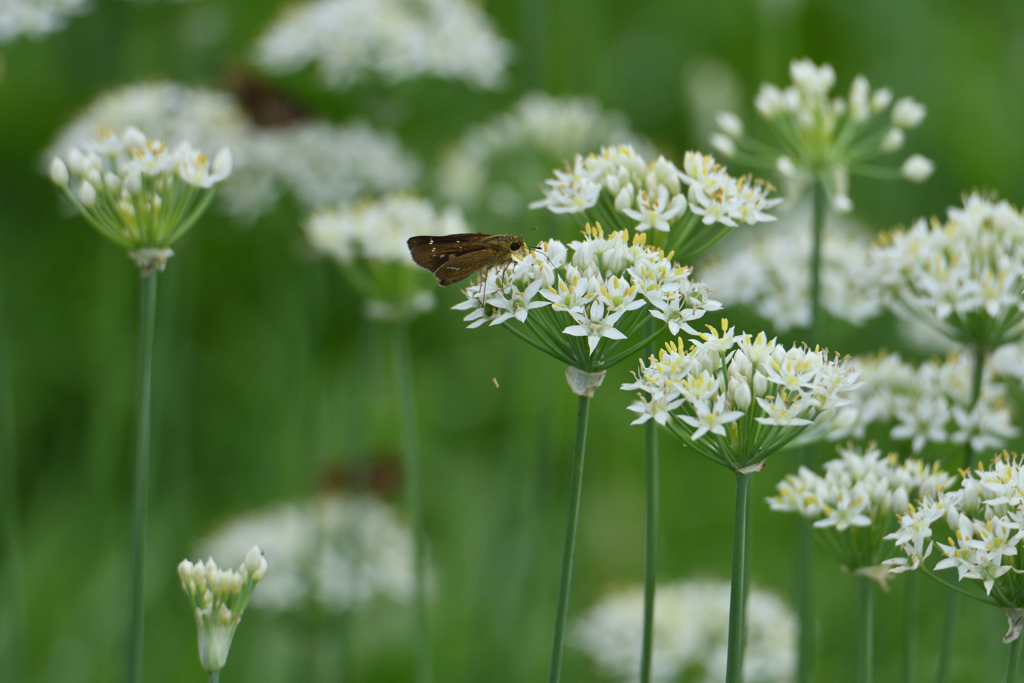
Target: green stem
910, 609
147, 329
738, 593
413, 490
651, 547
977, 368
214, 677
866, 636
13, 553
569, 548
948, 633
1013, 662
805, 546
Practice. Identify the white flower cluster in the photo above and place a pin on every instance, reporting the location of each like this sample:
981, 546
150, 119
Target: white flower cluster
963, 276
394, 40
369, 240
927, 404
771, 274
319, 163
219, 597
36, 18
622, 189
600, 288
986, 512
738, 398
495, 163
333, 553
690, 634
137, 192
821, 134
854, 505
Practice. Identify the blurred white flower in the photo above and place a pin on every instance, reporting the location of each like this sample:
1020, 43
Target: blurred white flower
395, 40
497, 163
320, 164
824, 137
137, 192
219, 597
857, 501
770, 274
927, 404
690, 634
36, 18
963, 277
736, 398
334, 553
368, 240
586, 305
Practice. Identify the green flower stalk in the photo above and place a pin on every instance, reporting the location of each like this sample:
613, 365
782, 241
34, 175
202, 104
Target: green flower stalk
144, 198
219, 597
736, 399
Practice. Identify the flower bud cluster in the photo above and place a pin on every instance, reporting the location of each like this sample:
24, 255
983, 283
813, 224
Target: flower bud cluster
963, 277
620, 188
585, 304
36, 18
986, 516
351, 41
690, 634
855, 503
926, 404
219, 597
738, 398
368, 240
137, 192
826, 136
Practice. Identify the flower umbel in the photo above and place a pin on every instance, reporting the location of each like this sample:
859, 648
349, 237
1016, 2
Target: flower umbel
219, 597
586, 305
137, 192
737, 398
963, 277
826, 137
854, 505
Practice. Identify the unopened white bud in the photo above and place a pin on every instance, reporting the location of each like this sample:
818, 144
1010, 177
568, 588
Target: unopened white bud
881, 99
899, 499
917, 168
893, 140
907, 113
842, 203
111, 182
133, 181
134, 139
740, 394
87, 194
723, 143
860, 94
185, 571
252, 558
760, 384
77, 162
731, 124
58, 173
612, 184
199, 575
222, 163
952, 517
624, 199
785, 166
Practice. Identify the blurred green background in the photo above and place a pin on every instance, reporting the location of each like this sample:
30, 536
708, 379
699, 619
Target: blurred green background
266, 375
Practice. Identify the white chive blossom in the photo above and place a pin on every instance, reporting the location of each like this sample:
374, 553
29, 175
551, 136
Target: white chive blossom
619, 188
586, 305
219, 597
368, 240
36, 18
334, 553
771, 274
690, 634
138, 192
496, 164
825, 136
983, 519
352, 41
738, 398
963, 277
924, 405
855, 503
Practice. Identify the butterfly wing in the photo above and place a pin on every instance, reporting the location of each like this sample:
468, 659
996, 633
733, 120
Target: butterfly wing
461, 267
433, 251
